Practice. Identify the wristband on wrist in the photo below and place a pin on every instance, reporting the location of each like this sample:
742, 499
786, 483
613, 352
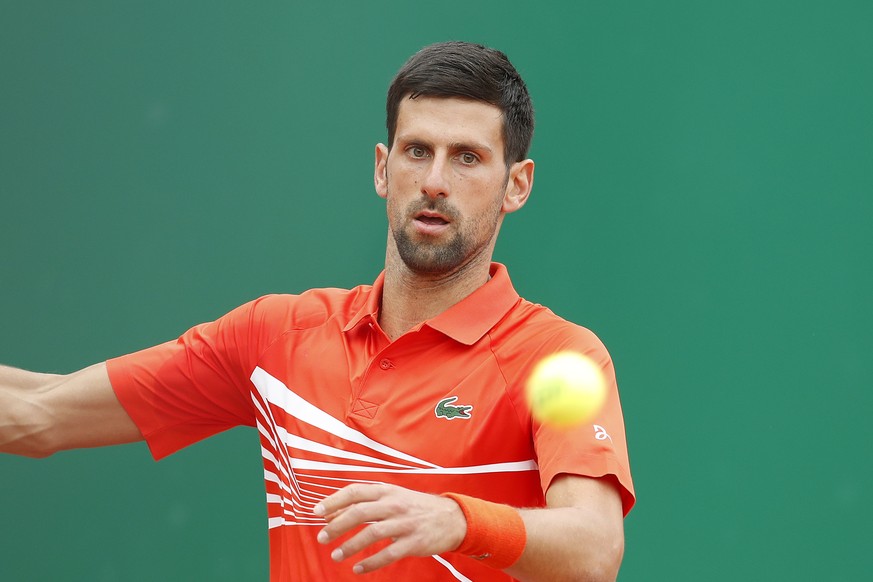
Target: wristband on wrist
495, 532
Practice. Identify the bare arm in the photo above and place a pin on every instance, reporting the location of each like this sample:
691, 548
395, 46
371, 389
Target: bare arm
41, 414
579, 536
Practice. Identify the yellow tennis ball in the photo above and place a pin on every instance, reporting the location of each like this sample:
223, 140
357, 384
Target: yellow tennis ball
566, 389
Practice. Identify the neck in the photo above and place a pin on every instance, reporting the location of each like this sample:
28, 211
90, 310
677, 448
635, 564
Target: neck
409, 298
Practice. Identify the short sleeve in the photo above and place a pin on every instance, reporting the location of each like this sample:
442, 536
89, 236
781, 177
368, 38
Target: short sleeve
183, 391
596, 449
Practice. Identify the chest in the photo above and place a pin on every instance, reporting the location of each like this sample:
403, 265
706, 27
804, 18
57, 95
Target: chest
423, 399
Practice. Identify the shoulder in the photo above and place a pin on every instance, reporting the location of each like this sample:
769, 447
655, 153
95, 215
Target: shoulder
307, 309
531, 331
531, 322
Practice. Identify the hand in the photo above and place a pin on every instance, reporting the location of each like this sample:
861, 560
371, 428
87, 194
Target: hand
418, 524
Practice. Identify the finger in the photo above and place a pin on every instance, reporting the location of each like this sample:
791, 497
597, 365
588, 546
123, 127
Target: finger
366, 537
401, 545
334, 515
347, 496
345, 520
387, 555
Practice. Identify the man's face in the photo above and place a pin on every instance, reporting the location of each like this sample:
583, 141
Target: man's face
445, 183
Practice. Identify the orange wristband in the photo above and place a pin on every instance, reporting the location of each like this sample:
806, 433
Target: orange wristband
495, 532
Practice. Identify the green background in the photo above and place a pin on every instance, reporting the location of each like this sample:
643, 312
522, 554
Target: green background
702, 201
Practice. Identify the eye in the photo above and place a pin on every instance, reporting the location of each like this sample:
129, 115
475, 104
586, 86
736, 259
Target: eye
468, 158
417, 152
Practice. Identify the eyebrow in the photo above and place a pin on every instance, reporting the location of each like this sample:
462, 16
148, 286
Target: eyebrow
455, 145
470, 146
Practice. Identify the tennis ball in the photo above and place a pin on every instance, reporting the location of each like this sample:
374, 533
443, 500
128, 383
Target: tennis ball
565, 389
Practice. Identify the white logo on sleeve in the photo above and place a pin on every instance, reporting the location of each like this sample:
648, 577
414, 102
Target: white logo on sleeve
601, 434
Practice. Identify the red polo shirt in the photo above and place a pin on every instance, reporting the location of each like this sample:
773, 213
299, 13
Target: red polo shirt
335, 402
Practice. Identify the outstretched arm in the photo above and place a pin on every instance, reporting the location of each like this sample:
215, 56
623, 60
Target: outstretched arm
579, 536
41, 414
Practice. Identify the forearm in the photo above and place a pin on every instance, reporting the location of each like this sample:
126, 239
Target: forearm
17, 379
41, 414
21, 424
569, 543
579, 536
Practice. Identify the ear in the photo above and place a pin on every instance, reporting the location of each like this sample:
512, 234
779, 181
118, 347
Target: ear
380, 175
519, 185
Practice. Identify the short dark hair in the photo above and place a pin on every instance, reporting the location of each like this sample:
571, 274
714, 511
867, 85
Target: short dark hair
470, 71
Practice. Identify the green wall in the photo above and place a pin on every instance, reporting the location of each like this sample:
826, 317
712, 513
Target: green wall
702, 201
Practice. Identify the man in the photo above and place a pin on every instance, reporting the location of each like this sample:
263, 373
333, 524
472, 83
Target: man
392, 420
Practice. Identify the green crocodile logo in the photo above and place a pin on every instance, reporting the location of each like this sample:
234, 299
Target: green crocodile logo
445, 409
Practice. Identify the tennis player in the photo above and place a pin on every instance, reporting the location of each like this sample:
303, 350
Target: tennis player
395, 437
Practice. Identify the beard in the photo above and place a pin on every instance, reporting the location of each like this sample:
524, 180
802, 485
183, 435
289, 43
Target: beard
432, 257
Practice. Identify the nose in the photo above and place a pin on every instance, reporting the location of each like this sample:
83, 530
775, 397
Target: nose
435, 183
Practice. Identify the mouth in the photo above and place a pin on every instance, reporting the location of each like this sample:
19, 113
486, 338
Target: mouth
431, 218
430, 222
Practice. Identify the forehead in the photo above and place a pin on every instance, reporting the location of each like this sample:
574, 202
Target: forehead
450, 119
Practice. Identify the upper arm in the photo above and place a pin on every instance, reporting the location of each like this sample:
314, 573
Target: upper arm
601, 494
80, 410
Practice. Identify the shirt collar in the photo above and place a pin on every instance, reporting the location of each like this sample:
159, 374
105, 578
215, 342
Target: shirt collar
471, 318
369, 311
468, 320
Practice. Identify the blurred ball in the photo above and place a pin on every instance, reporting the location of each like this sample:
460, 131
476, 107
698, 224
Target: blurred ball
566, 389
